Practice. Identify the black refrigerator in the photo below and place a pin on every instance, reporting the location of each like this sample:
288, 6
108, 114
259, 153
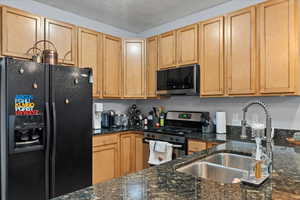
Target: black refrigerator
46, 129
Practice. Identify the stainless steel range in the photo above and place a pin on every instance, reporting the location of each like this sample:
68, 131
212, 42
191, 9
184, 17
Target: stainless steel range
177, 125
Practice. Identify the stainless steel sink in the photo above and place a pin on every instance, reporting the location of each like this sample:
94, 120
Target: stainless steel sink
213, 172
221, 167
231, 160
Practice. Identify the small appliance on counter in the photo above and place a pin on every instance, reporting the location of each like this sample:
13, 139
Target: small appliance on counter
97, 112
108, 118
135, 117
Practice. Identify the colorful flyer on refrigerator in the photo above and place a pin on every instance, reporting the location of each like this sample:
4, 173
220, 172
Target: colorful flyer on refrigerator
24, 105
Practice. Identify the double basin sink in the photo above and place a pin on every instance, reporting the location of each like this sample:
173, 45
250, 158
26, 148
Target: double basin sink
220, 167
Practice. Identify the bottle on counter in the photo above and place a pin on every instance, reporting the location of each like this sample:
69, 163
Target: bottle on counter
162, 119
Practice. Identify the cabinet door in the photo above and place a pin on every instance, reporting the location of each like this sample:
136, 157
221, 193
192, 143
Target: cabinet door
277, 46
105, 162
152, 59
20, 31
127, 157
112, 67
211, 57
63, 36
167, 50
195, 146
187, 45
240, 51
90, 55
139, 152
134, 68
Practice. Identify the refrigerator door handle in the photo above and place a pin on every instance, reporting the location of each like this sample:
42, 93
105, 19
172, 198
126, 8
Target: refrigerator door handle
47, 151
53, 155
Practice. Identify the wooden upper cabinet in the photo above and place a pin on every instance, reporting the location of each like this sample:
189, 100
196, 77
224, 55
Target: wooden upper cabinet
152, 61
112, 66
187, 45
63, 35
90, 55
277, 46
240, 52
211, 57
20, 31
134, 72
167, 50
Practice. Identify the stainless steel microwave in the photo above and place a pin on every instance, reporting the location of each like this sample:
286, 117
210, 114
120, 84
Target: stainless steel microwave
179, 81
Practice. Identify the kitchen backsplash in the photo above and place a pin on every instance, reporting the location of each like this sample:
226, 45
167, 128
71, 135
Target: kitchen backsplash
285, 111
117, 105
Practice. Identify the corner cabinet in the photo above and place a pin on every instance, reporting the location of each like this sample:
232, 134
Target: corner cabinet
240, 45
90, 55
64, 37
20, 31
167, 50
134, 72
151, 66
278, 32
212, 57
112, 66
187, 45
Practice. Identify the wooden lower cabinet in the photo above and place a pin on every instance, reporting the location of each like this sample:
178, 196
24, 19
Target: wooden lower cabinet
133, 153
127, 153
105, 158
197, 145
118, 154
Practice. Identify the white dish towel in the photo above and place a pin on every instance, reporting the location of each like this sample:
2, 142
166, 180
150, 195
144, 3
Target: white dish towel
160, 152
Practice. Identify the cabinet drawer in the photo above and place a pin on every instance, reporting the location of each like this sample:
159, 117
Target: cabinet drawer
195, 146
105, 139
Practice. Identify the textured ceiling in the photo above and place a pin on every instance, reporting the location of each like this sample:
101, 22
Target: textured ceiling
133, 15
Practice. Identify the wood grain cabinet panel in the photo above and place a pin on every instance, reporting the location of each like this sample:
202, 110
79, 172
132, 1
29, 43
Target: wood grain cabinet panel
105, 158
211, 57
152, 66
127, 162
277, 46
187, 45
90, 55
134, 72
20, 31
112, 67
63, 35
139, 152
240, 52
167, 50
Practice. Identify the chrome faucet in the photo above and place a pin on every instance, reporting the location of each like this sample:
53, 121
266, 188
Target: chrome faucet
269, 135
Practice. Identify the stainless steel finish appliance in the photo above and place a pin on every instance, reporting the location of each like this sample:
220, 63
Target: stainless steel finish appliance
107, 119
177, 125
46, 129
179, 81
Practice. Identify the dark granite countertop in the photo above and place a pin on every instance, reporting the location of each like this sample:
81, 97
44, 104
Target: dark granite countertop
163, 182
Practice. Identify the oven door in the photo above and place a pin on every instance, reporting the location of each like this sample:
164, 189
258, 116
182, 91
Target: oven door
179, 150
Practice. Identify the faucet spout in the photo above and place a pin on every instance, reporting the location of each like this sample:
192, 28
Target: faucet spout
269, 136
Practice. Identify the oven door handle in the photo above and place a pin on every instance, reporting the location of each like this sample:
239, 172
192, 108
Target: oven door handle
173, 145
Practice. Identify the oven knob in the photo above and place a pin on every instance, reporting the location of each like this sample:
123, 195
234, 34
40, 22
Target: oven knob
171, 139
176, 140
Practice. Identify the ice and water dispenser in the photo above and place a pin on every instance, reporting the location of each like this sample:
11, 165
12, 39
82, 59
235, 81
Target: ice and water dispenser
27, 133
